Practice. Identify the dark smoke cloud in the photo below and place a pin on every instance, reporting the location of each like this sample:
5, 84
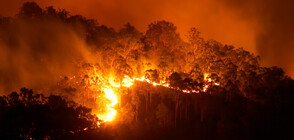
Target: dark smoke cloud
35, 54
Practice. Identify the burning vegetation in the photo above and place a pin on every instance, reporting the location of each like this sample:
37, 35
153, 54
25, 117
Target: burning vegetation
130, 85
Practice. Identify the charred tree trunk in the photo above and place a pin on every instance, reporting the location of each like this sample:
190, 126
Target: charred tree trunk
176, 109
150, 101
186, 109
146, 102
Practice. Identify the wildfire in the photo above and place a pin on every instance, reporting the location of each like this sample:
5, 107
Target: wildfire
127, 81
109, 94
205, 77
112, 98
111, 112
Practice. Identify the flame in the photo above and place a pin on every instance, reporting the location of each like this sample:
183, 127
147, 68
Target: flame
114, 84
205, 77
112, 97
107, 85
127, 81
205, 88
155, 84
164, 84
109, 94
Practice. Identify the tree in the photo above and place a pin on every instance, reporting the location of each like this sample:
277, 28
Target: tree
163, 115
175, 80
152, 75
121, 67
30, 10
159, 41
23, 117
194, 38
161, 34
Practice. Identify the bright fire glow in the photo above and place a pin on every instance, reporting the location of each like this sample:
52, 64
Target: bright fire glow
109, 94
205, 77
114, 84
109, 85
127, 81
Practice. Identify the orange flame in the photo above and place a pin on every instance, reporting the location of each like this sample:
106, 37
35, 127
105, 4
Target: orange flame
112, 97
109, 116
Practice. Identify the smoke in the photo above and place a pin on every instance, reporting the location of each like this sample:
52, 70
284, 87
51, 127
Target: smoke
214, 20
35, 53
264, 27
274, 20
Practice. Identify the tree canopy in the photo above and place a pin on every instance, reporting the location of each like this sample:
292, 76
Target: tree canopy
236, 98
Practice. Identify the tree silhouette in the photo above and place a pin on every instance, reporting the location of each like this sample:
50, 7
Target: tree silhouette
29, 115
30, 10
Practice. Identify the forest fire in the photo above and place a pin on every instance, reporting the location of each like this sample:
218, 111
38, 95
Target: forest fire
109, 94
84, 80
128, 82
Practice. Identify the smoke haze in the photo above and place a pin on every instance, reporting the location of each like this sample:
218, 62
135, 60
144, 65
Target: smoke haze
260, 26
274, 29
37, 53
213, 19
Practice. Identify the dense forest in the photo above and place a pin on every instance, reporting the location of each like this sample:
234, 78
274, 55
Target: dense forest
234, 96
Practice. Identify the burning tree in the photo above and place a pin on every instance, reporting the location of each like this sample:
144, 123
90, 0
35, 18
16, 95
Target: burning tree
149, 83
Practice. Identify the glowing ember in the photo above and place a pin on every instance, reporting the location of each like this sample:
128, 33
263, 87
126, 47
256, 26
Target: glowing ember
205, 88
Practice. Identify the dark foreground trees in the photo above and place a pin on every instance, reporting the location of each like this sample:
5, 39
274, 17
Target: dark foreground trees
148, 112
26, 115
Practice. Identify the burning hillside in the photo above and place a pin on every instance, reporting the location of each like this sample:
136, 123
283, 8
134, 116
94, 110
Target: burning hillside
100, 83
109, 87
